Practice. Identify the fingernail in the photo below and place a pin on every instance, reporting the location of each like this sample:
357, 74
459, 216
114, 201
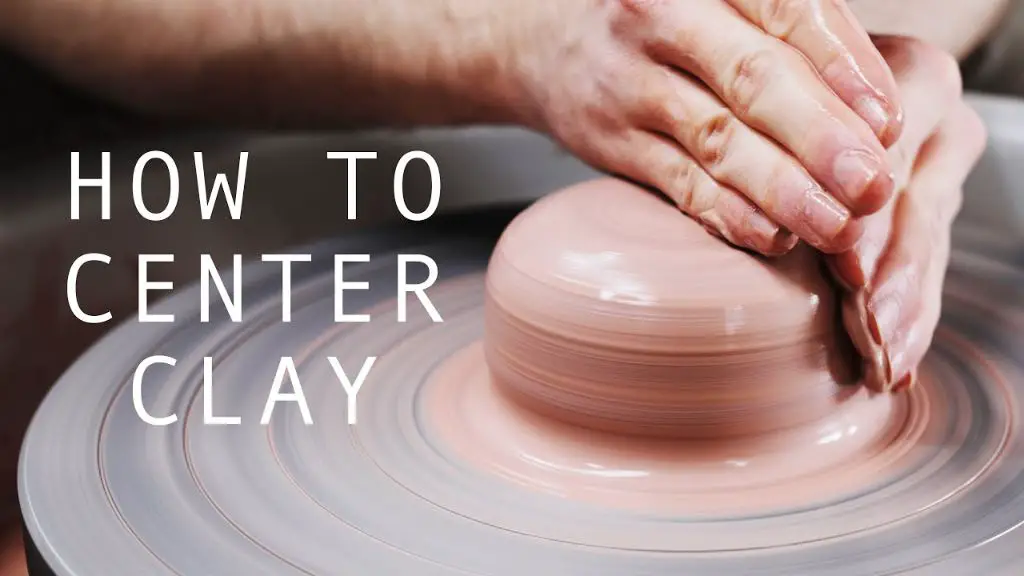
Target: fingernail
894, 129
764, 236
874, 112
760, 225
883, 315
878, 371
826, 217
713, 224
782, 243
863, 185
906, 383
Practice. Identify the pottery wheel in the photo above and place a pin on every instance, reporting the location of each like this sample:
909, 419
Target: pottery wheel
104, 493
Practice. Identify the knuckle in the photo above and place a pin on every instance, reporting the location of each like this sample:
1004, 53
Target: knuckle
748, 78
706, 192
602, 117
597, 150
683, 179
781, 17
713, 139
942, 64
628, 20
659, 104
672, 114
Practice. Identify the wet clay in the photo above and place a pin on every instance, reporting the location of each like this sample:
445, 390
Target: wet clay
632, 360
863, 441
608, 308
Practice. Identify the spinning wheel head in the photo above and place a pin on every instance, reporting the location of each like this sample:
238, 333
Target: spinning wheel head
444, 475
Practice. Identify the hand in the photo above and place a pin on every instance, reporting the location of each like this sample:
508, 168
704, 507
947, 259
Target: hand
760, 118
894, 273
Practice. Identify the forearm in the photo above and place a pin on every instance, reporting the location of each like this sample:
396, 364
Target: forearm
956, 26
277, 62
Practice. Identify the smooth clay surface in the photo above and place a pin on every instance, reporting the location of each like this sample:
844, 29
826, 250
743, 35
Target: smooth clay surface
608, 308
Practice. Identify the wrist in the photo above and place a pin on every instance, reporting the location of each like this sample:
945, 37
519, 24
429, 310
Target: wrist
299, 63
533, 37
422, 63
481, 62
475, 66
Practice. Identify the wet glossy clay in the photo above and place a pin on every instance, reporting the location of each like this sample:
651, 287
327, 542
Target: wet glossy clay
607, 307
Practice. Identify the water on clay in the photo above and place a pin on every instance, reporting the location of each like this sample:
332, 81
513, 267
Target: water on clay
444, 474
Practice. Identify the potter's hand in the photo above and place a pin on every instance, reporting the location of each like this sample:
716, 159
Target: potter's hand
895, 272
760, 118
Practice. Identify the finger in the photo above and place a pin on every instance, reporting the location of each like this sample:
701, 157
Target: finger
929, 81
660, 163
911, 345
907, 294
877, 369
772, 88
907, 382
829, 36
744, 160
879, 320
854, 268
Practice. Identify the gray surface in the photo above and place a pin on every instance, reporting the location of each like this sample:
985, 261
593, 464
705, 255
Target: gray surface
994, 195
103, 494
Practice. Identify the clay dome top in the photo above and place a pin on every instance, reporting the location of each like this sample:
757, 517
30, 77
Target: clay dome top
607, 249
